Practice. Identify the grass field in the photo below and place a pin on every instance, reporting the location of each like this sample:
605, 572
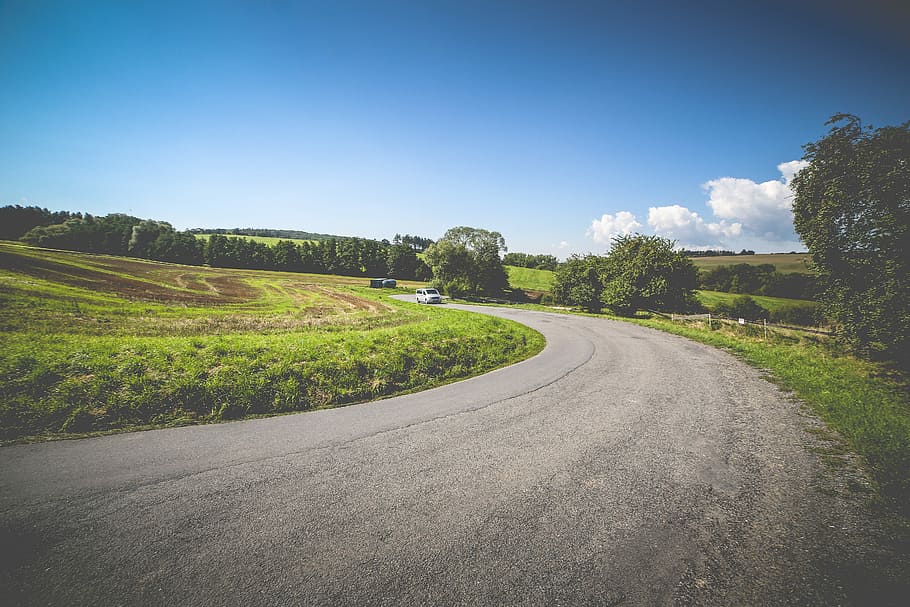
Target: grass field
96, 343
269, 240
528, 279
786, 263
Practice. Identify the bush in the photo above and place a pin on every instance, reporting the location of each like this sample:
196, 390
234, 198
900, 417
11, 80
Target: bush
807, 315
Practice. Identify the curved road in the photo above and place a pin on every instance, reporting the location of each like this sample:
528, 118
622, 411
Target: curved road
620, 466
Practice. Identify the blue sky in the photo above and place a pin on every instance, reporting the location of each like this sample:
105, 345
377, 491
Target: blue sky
558, 124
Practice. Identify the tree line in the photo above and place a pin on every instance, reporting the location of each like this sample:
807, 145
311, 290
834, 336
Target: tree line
120, 234
418, 243
535, 262
716, 253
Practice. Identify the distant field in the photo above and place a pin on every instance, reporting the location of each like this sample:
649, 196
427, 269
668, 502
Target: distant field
269, 240
772, 304
527, 279
784, 262
94, 342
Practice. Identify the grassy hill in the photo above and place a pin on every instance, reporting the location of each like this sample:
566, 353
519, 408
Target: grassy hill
528, 279
95, 342
784, 262
269, 240
772, 304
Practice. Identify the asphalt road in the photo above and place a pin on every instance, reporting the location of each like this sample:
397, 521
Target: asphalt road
620, 466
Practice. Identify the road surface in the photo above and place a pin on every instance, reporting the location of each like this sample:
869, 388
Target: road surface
620, 466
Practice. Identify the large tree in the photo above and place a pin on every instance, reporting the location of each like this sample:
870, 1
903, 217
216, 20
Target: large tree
467, 261
645, 272
852, 210
580, 282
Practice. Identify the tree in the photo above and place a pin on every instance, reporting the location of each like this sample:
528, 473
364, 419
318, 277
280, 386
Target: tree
452, 266
468, 260
851, 208
645, 272
580, 282
402, 261
144, 234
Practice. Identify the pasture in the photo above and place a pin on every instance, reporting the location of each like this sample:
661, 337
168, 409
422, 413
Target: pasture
97, 343
710, 299
786, 263
267, 240
528, 279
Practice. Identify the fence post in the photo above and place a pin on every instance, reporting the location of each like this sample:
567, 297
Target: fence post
709, 321
764, 326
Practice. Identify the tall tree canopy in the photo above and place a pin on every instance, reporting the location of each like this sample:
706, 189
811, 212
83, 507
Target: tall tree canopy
852, 209
467, 261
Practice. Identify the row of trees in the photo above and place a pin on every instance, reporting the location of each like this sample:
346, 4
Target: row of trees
418, 243
347, 256
119, 234
761, 279
536, 262
716, 253
16, 220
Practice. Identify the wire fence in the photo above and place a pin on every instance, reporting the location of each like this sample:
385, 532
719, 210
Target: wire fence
710, 319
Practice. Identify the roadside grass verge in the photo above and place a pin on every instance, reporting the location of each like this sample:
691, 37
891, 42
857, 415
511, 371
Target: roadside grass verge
51, 384
97, 343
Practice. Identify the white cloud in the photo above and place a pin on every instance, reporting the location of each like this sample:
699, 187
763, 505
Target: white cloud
764, 209
563, 244
790, 169
604, 229
687, 227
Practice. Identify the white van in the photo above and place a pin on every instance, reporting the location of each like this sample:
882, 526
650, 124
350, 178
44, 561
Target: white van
428, 296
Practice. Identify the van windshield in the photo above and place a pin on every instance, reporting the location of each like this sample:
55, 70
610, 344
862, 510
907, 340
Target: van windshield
432, 292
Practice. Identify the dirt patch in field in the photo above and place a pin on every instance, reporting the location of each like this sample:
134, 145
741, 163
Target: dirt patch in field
352, 301
225, 290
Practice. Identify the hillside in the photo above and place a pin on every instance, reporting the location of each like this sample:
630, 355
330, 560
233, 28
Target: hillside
97, 342
270, 233
268, 240
786, 263
528, 279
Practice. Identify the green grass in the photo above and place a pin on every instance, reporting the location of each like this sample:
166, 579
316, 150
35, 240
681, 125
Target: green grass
783, 262
528, 279
96, 343
711, 298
